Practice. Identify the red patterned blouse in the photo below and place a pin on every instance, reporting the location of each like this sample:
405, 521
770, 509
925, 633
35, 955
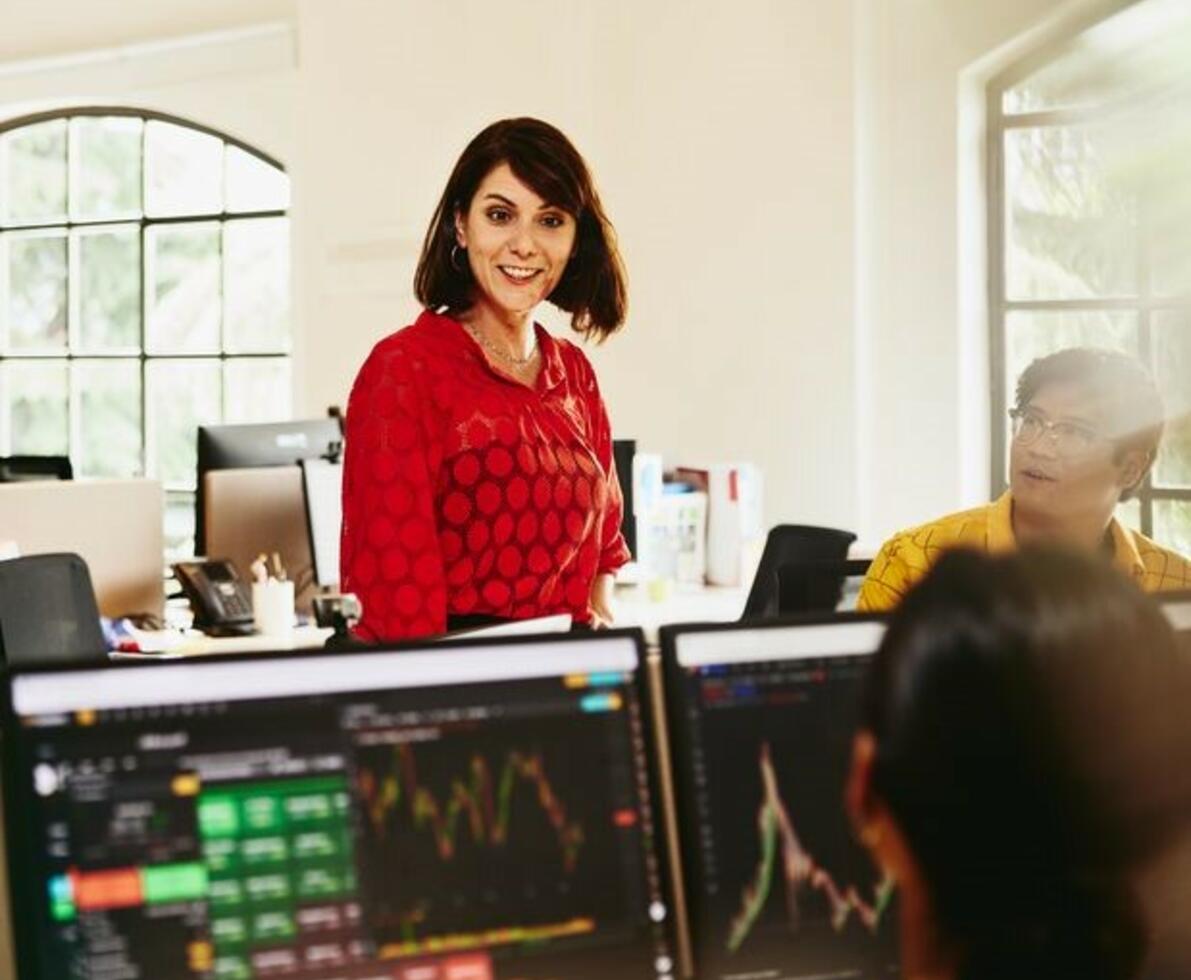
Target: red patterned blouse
468, 493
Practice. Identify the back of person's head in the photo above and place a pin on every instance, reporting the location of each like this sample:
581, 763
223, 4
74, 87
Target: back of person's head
1120, 385
1032, 723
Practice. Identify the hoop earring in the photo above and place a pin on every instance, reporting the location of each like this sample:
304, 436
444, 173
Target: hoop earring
455, 250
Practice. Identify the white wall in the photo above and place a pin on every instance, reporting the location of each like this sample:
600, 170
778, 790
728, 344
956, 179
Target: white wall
924, 427
782, 173
722, 145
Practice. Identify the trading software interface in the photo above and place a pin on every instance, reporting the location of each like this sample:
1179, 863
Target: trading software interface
445, 831
778, 887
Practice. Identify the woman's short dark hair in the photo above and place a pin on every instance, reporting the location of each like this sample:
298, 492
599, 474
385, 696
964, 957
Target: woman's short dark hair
592, 288
1034, 746
1118, 382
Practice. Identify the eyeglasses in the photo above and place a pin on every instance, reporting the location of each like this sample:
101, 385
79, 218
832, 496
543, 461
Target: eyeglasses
1068, 438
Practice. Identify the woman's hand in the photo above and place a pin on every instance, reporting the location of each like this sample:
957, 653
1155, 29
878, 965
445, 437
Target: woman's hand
601, 602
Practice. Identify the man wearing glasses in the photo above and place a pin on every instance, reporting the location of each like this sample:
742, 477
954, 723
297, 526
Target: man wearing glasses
1086, 428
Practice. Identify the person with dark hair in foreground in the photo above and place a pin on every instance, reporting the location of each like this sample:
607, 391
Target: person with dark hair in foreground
1024, 756
479, 482
1087, 424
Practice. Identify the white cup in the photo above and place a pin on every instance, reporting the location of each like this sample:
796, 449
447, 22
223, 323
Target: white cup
273, 607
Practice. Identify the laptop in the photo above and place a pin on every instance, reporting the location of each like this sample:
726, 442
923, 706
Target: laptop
761, 720
468, 812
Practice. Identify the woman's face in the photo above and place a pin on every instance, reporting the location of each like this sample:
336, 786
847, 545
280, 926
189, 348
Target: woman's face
517, 244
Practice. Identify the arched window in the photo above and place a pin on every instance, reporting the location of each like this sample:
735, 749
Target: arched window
144, 290
1090, 224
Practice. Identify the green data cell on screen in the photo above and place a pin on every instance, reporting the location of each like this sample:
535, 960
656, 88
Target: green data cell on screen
225, 893
264, 850
222, 854
261, 813
232, 967
218, 816
273, 925
174, 883
267, 888
229, 930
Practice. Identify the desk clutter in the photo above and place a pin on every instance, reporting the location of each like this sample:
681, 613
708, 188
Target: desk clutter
527, 807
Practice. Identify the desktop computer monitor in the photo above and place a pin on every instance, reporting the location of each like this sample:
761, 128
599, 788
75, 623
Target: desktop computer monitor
465, 812
761, 720
225, 447
114, 525
322, 491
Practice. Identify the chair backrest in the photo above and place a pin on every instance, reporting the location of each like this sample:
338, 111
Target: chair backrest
48, 612
16, 469
779, 588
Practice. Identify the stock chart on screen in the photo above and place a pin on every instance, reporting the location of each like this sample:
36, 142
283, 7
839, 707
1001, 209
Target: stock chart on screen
763, 723
393, 819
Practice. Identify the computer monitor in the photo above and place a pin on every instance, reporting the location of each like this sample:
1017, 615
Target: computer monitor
225, 447
472, 811
114, 525
762, 719
322, 491
250, 512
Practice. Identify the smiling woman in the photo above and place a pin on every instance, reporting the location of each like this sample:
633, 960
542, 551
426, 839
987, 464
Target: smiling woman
479, 483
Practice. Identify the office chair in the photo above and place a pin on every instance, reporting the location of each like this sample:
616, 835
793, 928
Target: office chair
802, 569
48, 612
14, 469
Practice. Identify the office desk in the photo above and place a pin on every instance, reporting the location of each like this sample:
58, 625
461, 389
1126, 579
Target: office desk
169, 644
632, 606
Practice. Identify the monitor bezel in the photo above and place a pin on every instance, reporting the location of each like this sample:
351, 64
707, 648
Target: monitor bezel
19, 841
684, 852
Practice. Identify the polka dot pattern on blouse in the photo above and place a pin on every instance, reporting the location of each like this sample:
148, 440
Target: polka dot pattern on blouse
468, 493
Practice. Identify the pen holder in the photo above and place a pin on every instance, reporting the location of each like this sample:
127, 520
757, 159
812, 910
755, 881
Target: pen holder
273, 607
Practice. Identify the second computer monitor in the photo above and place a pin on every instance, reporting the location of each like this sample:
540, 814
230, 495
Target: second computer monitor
762, 720
225, 447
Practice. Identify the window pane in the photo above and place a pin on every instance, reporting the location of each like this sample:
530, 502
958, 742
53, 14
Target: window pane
34, 188
108, 394
256, 277
36, 405
109, 290
182, 396
1071, 219
183, 289
1172, 525
108, 166
1129, 513
257, 390
1172, 362
1169, 222
184, 168
253, 185
1029, 336
36, 292
1125, 57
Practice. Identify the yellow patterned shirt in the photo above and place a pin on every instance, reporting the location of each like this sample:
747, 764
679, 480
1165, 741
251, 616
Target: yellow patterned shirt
907, 556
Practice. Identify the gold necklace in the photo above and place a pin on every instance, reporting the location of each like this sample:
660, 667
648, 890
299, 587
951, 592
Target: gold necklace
520, 363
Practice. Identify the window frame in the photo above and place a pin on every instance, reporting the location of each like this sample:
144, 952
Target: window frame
68, 226
1144, 305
